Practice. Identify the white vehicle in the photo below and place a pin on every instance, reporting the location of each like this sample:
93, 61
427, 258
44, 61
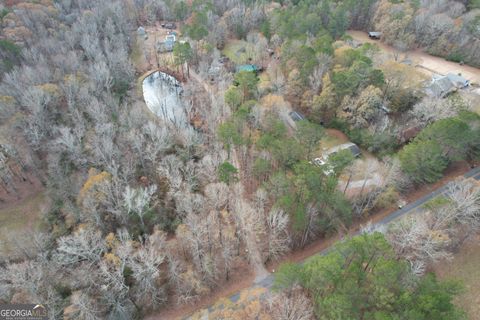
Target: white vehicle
321, 163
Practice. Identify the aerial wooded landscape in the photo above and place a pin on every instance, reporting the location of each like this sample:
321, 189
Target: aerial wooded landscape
241, 159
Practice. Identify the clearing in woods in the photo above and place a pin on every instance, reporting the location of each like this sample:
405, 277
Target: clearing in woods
20, 220
424, 61
465, 267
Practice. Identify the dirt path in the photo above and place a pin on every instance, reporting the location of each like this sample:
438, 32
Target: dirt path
426, 63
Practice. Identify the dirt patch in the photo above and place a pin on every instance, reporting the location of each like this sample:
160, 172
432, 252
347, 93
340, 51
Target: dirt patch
238, 51
465, 267
332, 138
21, 188
20, 219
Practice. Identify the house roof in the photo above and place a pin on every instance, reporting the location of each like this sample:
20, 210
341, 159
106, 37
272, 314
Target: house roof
374, 34
166, 45
440, 87
443, 85
169, 43
458, 80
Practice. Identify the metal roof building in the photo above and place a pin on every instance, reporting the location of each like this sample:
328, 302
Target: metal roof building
354, 149
247, 67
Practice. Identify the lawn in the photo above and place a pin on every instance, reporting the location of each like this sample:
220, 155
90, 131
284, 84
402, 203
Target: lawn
238, 51
332, 138
365, 167
465, 267
19, 219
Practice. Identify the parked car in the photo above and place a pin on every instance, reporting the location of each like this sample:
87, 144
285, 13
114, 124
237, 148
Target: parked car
169, 25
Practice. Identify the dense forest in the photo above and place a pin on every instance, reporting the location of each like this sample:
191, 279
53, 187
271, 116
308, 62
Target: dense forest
142, 214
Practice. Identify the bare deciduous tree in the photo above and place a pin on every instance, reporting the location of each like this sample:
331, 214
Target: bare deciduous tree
86, 244
278, 239
145, 264
139, 200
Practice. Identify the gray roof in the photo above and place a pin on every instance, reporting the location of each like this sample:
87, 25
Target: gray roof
296, 116
165, 46
444, 85
441, 87
350, 146
374, 34
458, 80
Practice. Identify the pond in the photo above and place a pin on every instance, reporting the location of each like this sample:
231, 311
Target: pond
162, 94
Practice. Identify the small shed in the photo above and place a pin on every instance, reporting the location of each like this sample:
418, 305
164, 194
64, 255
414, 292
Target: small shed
374, 35
296, 116
248, 68
354, 149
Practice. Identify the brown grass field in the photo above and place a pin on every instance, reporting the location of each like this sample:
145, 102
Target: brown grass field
465, 266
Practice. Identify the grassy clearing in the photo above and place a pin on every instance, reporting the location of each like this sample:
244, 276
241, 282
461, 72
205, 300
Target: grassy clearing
19, 219
465, 267
238, 51
332, 138
264, 85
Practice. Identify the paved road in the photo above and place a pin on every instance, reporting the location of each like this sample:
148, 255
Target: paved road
267, 282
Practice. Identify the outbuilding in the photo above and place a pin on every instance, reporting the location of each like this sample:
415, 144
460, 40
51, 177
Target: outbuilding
354, 149
375, 35
248, 68
296, 116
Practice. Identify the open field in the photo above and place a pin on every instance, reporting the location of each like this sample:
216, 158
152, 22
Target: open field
332, 138
238, 51
465, 266
19, 219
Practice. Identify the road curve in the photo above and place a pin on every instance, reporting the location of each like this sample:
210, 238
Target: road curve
267, 282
